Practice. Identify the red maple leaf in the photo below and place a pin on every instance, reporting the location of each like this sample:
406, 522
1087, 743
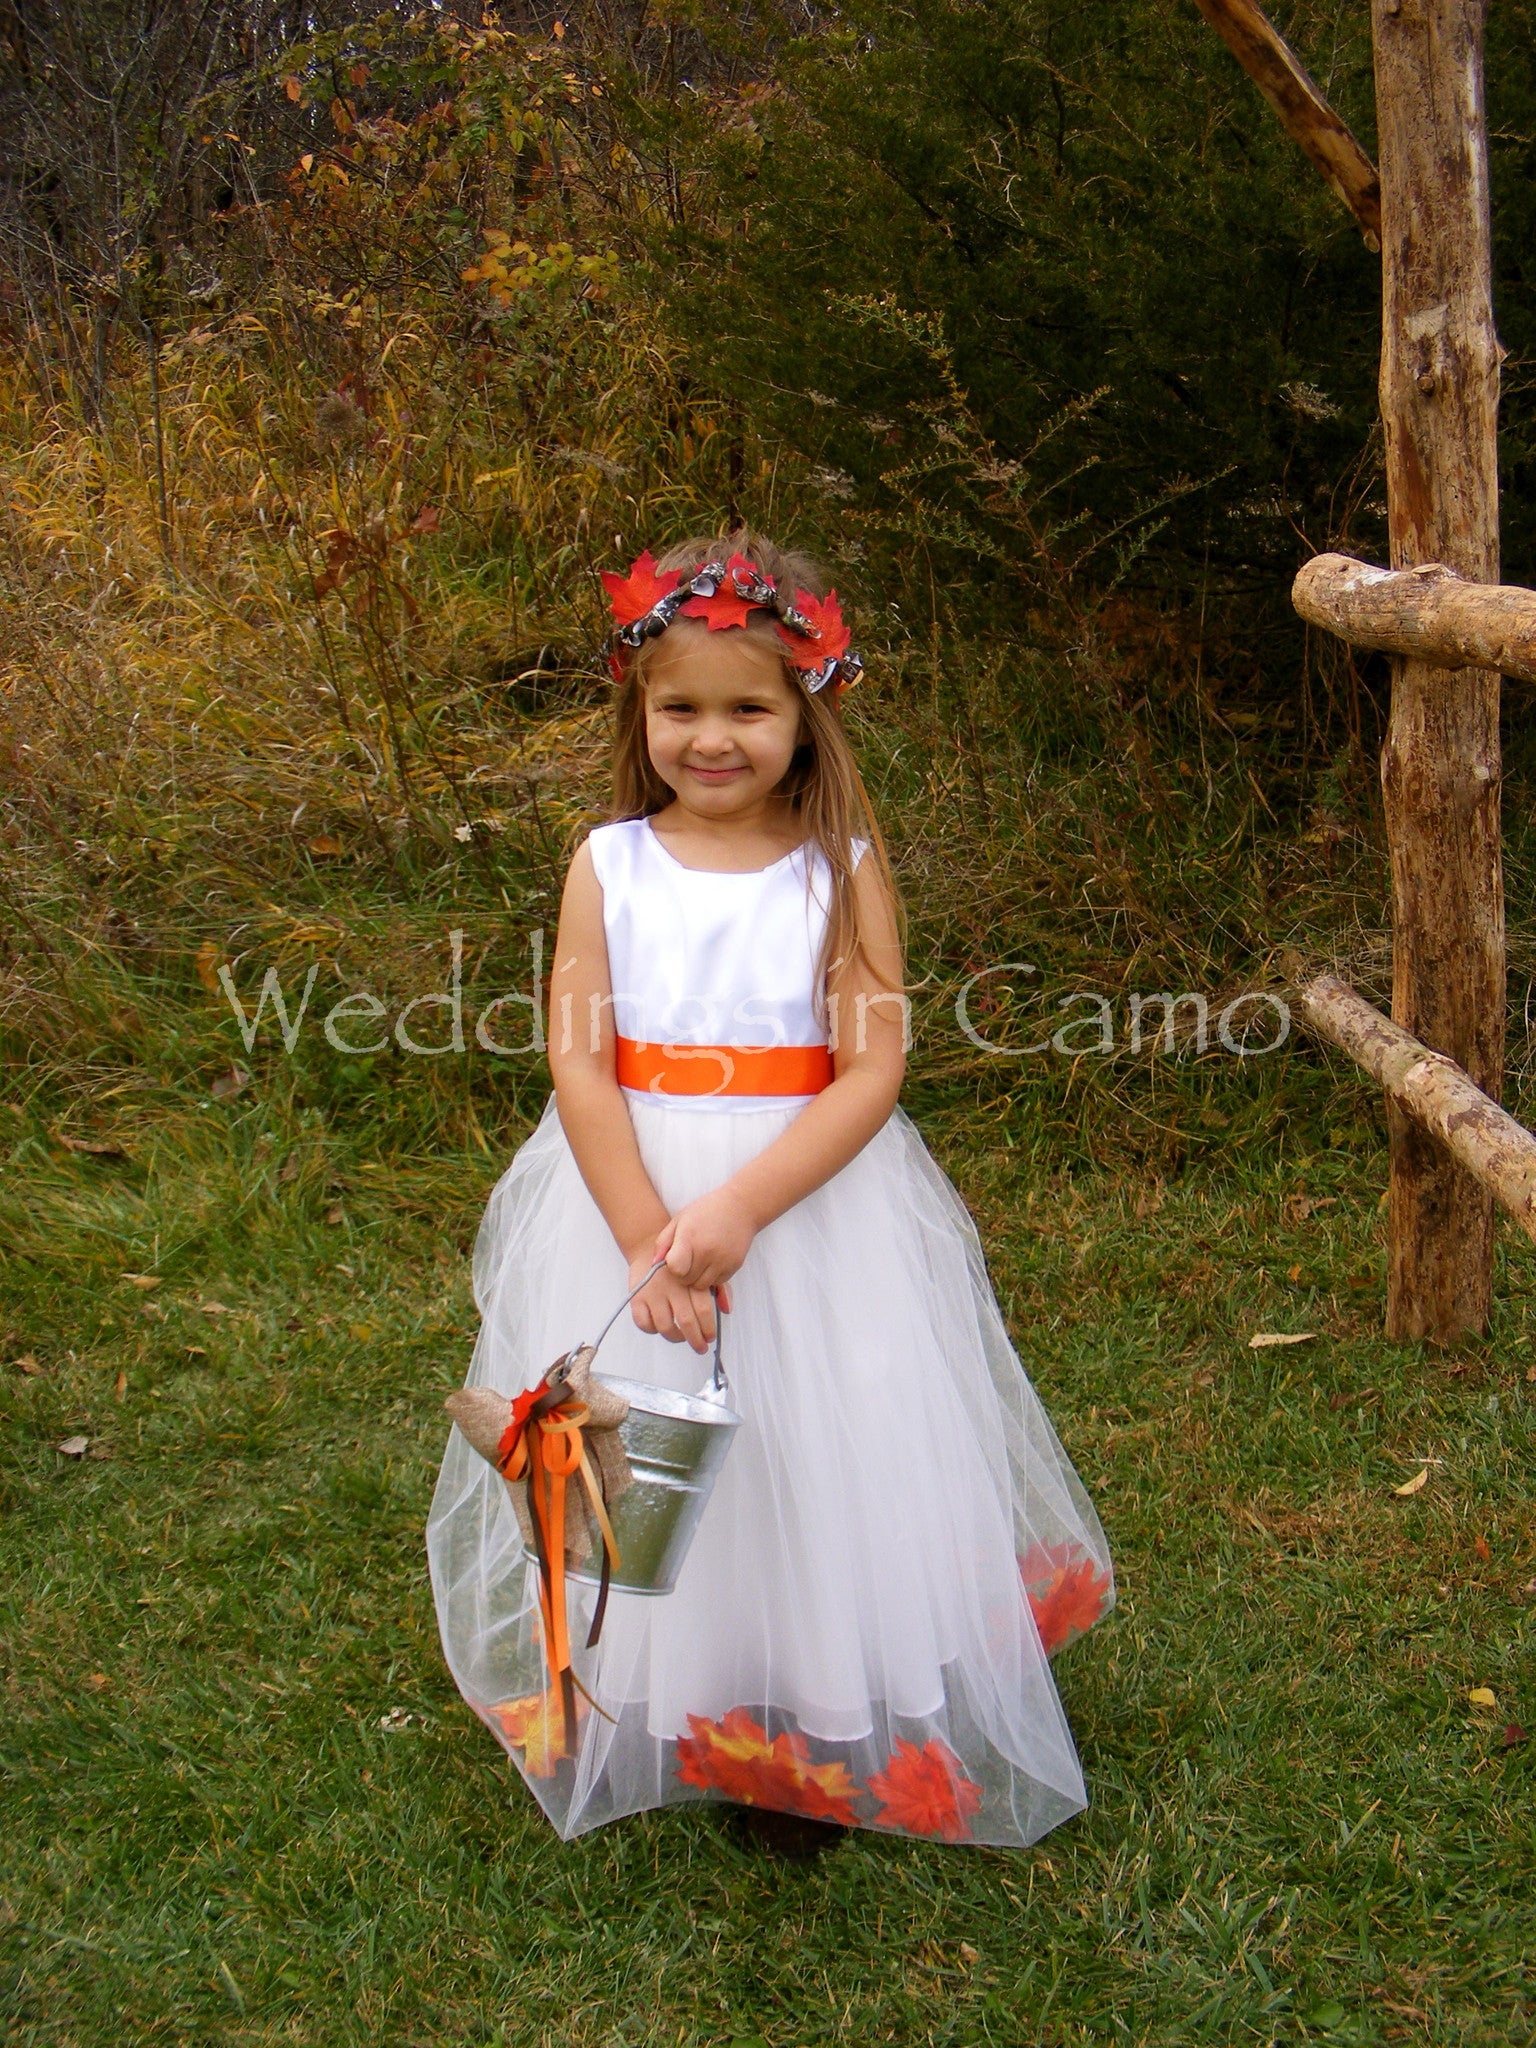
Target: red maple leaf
832, 636
632, 596
726, 608
1066, 1594
926, 1792
735, 1758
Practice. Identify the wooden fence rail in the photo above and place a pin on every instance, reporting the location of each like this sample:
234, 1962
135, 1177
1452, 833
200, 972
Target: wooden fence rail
1428, 612
1441, 1098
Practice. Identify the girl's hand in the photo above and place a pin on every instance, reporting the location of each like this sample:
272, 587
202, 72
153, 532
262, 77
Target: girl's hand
706, 1242
670, 1308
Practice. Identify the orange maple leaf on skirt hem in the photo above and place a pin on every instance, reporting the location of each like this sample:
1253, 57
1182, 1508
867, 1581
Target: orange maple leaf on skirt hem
735, 1758
1066, 1593
533, 1725
926, 1792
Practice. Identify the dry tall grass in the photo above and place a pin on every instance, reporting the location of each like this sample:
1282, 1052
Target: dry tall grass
302, 651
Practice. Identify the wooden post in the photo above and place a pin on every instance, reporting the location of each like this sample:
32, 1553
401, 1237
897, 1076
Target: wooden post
1440, 764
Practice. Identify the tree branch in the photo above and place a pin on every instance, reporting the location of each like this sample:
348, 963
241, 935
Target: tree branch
1305, 115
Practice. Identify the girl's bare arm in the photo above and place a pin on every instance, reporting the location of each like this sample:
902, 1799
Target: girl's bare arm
593, 1113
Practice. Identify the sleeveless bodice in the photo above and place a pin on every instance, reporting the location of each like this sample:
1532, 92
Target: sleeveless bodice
702, 958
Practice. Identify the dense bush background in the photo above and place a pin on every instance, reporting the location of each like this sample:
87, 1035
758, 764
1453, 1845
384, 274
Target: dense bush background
335, 367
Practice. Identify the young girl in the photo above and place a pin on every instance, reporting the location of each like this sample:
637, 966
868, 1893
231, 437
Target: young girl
861, 1627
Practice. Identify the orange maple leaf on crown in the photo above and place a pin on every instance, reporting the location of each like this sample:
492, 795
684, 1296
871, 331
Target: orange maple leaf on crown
727, 607
832, 636
926, 1792
735, 1758
632, 596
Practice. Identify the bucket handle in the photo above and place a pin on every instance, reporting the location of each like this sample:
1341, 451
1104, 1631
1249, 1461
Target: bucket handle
717, 1376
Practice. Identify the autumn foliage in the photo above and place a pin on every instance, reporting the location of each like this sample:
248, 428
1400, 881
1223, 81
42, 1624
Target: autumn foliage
735, 1758
1067, 1592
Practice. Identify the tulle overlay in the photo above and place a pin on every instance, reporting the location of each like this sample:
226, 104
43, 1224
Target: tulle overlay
896, 1544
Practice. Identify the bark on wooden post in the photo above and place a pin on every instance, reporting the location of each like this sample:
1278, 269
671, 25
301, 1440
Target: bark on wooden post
1440, 765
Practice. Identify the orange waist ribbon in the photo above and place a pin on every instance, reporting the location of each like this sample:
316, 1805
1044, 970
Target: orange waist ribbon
544, 1445
722, 1069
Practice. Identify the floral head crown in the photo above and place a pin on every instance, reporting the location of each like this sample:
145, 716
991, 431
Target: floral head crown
648, 599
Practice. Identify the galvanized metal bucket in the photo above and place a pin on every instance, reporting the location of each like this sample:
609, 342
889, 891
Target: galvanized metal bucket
675, 1444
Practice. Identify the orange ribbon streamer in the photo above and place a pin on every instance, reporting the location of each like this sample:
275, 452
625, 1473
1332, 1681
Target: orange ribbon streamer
543, 1444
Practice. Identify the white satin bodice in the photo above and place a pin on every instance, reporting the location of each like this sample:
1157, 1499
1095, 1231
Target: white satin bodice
699, 957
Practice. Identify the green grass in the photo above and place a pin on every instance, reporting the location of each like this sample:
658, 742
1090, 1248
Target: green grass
1300, 1829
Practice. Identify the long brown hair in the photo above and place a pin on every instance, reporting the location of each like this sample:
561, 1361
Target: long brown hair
823, 785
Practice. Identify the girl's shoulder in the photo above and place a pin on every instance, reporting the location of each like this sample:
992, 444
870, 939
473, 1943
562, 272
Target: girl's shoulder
615, 848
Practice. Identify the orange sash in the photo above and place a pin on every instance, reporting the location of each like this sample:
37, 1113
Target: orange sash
723, 1069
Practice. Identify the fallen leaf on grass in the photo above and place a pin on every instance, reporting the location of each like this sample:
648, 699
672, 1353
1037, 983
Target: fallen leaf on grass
195, 1350
1268, 1338
120, 1388
227, 1978
1482, 1696
1297, 1208
97, 1150
75, 1446
363, 1332
1480, 1545
140, 1279
1416, 1484
288, 1170
215, 1308
229, 1083
1347, 1400
96, 1681
28, 1365
1512, 1735
327, 845
334, 1215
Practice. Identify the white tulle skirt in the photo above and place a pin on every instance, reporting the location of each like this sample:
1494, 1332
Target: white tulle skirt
896, 1544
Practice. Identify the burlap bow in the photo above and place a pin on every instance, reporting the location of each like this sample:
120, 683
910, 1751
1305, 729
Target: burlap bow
483, 1417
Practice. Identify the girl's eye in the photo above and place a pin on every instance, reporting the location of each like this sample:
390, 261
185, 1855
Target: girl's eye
752, 710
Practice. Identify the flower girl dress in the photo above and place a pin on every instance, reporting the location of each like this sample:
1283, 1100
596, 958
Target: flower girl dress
896, 1544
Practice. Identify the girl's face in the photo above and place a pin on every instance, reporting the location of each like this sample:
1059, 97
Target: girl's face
722, 721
